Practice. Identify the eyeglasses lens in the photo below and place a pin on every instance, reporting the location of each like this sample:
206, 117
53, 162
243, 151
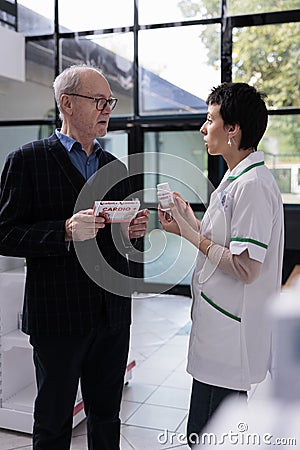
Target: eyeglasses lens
102, 102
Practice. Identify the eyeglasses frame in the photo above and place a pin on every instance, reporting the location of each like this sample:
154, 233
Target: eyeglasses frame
97, 99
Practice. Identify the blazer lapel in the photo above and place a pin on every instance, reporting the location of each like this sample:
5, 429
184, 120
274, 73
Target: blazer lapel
58, 152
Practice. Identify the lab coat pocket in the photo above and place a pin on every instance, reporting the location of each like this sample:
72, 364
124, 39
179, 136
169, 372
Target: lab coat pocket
217, 345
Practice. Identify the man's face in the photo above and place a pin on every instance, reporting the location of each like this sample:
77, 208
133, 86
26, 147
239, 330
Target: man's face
86, 118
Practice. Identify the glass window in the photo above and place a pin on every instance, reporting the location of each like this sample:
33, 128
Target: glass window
268, 58
8, 14
113, 53
157, 11
179, 158
35, 17
237, 7
168, 259
281, 145
13, 137
34, 98
40, 62
175, 79
116, 143
94, 15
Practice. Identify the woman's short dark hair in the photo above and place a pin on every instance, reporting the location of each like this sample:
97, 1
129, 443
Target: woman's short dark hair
242, 104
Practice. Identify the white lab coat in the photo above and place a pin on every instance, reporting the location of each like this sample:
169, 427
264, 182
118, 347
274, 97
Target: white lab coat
230, 341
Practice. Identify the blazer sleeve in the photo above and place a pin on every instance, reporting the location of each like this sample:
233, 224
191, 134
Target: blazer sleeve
21, 233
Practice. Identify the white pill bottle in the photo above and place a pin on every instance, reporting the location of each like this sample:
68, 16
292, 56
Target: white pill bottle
165, 197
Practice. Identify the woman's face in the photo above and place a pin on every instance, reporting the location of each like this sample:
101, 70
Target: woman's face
215, 134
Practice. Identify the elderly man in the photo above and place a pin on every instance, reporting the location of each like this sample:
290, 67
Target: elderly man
76, 325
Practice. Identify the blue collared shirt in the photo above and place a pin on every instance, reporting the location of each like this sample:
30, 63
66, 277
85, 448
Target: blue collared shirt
87, 165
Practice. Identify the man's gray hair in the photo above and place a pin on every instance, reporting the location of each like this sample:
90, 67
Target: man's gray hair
69, 81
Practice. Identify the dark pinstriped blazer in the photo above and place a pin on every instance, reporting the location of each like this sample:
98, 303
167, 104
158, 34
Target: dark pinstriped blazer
39, 189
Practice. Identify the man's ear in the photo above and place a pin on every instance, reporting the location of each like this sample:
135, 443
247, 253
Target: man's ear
66, 103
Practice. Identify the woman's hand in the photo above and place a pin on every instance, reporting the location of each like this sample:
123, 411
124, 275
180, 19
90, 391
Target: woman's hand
182, 219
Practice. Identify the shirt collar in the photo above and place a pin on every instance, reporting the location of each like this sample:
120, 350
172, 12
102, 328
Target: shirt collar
253, 160
70, 143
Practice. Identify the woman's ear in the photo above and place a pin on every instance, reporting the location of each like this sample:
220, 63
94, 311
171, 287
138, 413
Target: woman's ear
233, 130
234, 134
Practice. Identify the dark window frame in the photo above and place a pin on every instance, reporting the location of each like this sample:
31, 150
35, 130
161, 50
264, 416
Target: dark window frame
137, 124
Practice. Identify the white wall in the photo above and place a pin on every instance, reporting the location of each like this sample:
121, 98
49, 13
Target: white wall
12, 54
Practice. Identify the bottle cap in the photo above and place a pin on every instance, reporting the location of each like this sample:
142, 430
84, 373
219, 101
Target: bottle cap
163, 186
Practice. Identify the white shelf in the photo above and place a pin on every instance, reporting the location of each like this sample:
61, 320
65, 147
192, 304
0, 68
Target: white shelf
128, 374
22, 400
17, 412
16, 420
15, 338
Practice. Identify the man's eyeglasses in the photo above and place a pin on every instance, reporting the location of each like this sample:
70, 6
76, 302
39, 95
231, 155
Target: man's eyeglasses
100, 102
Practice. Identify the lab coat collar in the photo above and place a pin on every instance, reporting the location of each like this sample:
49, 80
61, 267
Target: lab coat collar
253, 160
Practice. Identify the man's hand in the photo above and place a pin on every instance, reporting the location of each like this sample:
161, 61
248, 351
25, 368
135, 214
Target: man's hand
138, 226
83, 225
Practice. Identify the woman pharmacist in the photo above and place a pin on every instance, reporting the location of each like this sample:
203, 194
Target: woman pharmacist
239, 263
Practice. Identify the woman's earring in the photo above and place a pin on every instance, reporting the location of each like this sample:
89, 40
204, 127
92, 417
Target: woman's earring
229, 142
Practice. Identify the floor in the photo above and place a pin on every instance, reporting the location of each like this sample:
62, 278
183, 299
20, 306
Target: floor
155, 400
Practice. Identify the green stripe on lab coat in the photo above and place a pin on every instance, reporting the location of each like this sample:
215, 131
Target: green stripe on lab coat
223, 311
252, 241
